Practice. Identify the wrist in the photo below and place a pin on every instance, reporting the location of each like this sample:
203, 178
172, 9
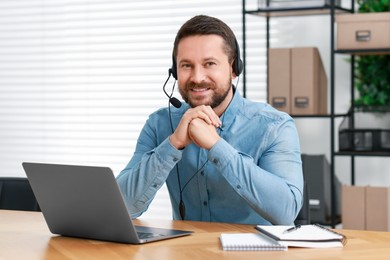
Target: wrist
175, 143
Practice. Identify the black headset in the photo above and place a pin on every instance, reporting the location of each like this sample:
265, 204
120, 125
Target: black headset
238, 66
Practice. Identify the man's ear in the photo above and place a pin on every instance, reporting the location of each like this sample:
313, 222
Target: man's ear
232, 73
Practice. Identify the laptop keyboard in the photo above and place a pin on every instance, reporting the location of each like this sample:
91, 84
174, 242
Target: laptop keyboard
145, 235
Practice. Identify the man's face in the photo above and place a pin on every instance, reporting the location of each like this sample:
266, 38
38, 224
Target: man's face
204, 71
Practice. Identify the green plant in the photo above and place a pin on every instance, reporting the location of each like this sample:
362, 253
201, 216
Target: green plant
372, 72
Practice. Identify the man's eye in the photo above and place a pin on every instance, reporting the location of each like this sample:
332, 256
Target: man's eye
209, 64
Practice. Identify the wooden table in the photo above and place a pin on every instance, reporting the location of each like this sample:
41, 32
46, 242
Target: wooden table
24, 235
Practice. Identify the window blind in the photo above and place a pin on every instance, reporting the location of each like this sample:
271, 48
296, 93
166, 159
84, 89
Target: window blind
78, 79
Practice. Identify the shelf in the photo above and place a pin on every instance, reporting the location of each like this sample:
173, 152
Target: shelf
385, 51
297, 11
319, 116
362, 153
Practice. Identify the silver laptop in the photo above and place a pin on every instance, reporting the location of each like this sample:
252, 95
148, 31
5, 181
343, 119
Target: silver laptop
85, 202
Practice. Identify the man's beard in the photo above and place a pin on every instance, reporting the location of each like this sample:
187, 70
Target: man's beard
216, 99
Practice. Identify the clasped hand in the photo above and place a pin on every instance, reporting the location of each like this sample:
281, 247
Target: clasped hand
198, 125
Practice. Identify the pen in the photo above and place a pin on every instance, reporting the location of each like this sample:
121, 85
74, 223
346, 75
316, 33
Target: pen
291, 229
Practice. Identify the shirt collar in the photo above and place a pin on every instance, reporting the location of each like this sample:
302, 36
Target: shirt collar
231, 111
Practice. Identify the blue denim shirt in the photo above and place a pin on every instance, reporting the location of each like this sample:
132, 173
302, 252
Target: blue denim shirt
252, 175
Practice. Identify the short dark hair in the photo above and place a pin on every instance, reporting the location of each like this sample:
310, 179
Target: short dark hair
207, 25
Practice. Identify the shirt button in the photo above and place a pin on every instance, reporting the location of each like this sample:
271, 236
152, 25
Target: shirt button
175, 159
215, 161
202, 173
238, 187
155, 185
205, 203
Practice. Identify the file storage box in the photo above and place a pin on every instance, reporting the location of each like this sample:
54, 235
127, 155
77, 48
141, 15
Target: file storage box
297, 82
279, 79
378, 208
366, 208
363, 31
353, 207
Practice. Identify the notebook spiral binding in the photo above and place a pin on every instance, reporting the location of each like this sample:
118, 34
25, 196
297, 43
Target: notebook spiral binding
344, 238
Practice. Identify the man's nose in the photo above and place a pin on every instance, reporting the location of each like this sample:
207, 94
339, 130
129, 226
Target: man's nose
198, 74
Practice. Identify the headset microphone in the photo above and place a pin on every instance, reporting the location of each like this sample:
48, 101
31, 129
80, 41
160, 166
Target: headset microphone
174, 101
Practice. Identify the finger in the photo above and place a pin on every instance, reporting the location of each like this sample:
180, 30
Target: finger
202, 134
200, 113
214, 118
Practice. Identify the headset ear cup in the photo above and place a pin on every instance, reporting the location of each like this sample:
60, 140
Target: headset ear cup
238, 66
173, 68
173, 71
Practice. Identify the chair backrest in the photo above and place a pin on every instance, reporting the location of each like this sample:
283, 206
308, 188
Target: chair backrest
16, 194
303, 217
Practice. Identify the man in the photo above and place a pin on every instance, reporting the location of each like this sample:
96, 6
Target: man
223, 158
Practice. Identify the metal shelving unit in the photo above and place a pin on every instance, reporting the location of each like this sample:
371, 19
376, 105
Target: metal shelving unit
330, 10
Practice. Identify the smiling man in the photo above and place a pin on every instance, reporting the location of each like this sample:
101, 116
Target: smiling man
223, 157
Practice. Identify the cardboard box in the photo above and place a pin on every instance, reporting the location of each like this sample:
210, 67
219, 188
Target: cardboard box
363, 31
309, 82
279, 90
297, 81
378, 208
366, 208
353, 207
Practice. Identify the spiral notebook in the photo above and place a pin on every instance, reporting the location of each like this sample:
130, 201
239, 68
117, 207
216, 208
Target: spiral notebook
313, 236
250, 242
